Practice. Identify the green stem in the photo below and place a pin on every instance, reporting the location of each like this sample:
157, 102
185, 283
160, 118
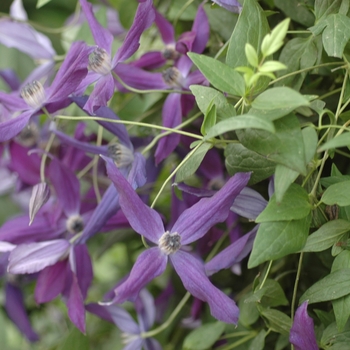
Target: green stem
129, 122
182, 10
222, 49
169, 320
239, 342
266, 274
296, 286
340, 101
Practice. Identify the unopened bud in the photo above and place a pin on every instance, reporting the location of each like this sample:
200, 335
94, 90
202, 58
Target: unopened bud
40, 195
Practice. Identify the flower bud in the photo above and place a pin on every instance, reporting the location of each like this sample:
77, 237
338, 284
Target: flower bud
40, 195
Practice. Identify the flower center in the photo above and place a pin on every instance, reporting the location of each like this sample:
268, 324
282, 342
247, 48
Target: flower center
100, 61
170, 53
173, 77
122, 155
28, 137
170, 243
33, 94
75, 224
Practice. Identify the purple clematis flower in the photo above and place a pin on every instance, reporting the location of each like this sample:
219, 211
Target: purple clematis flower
302, 334
230, 5
101, 64
192, 224
53, 98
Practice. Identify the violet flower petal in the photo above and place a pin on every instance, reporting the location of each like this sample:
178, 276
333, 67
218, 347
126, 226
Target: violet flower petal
75, 305
150, 264
67, 187
196, 221
166, 29
17, 10
233, 254
34, 257
50, 282
6, 247
103, 38
172, 116
202, 30
10, 78
144, 17
230, 5
83, 268
192, 274
146, 311
15, 309
150, 60
99, 310
302, 334
143, 219
10, 128
123, 319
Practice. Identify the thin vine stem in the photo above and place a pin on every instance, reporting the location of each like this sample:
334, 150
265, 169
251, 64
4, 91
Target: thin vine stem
295, 289
266, 274
182, 10
95, 166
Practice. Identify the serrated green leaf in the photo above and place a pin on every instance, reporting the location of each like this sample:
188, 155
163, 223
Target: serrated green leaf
204, 337
205, 95
219, 74
277, 321
244, 121
339, 141
277, 239
41, 3
190, 167
270, 295
326, 235
251, 55
331, 287
209, 119
240, 159
338, 193
284, 147
294, 206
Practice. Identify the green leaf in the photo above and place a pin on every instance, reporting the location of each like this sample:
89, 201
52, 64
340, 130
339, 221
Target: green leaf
41, 3
284, 177
274, 41
294, 206
190, 167
332, 339
310, 143
270, 295
258, 342
325, 8
338, 193
337, 142
280, 98
206, 95
252, 16
284, 147
75, 340
277, 321
249, 313
204, 337
326, 235
297, 11
336, 34
252, 56
219, 74
244, 121
333, 286
240, 159
275, 240
209, 119
272, 66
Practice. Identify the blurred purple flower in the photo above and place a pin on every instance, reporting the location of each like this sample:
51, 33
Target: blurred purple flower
192, 224
230, 5
302, 334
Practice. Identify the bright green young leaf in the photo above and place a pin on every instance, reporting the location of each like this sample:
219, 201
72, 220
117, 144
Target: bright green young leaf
219, 74
275, 240
209, 119
240, 159
333, 286
326, 235
270, 295
190, 167
278, 98
244, 121
204, 337
41, 3
338, 193
277, 321
258, 342
272, 66
273, 42
252, 55
205, 95
284, 177
294, 206
284, 147
337, 142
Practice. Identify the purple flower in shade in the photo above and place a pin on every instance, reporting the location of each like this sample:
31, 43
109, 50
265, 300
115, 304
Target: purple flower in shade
192, 224
100, 62
302, 334
53, 98
132, 331
230, 5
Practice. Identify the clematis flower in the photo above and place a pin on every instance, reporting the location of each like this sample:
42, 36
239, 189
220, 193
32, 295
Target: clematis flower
230, 5
100, 62
35, 96
192, 224
302, 334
